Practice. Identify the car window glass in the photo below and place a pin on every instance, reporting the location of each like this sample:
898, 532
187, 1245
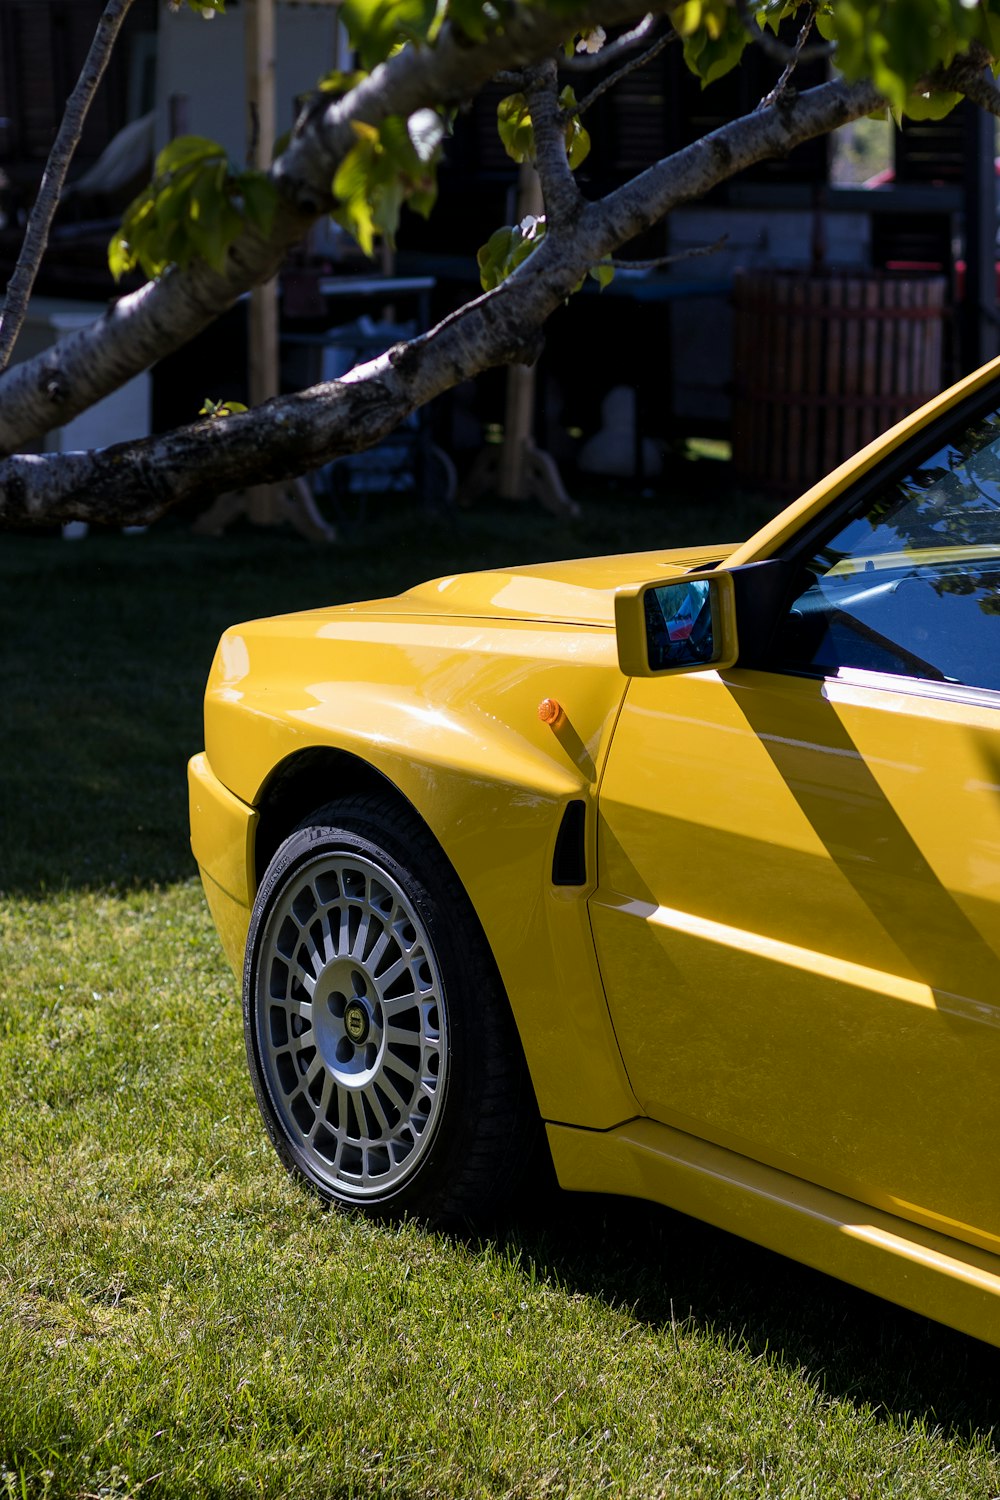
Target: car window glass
912, 586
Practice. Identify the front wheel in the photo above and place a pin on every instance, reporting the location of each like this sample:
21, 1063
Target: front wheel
382, 1050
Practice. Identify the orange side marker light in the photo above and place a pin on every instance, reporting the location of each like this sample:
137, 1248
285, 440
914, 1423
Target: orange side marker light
552, 713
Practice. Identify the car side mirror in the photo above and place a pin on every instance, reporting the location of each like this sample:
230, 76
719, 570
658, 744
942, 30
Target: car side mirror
687, 625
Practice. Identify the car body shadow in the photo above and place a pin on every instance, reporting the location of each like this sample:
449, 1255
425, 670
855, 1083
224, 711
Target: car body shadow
668, 1271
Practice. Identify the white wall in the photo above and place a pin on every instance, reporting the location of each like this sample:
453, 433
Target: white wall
204, 60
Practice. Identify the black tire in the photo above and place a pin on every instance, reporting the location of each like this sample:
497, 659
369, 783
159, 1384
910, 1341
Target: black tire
383, 1053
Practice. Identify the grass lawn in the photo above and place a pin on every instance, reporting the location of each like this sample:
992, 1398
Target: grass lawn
176, 1317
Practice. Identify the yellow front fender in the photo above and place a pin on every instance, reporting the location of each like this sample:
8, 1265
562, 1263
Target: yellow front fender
448, 712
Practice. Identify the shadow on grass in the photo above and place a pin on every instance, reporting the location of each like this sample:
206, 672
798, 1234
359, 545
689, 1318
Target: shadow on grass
667, 1270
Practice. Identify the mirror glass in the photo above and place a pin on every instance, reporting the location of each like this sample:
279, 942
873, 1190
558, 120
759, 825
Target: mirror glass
679, 624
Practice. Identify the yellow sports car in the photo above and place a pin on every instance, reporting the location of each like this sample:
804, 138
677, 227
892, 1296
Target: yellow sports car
692, 856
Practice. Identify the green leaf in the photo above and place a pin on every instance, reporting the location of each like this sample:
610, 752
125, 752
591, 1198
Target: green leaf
196, 205
516, 130
376, 27
506, 249
353, 187
186, 151
121, 259
716, 44
389, 166
212, 220
139, 240
692, 17
930, 106
510, 247
824, 23
338, 83
603, 273
260, 200
577, 138
898, 45
210, 408
773, 12
478, 19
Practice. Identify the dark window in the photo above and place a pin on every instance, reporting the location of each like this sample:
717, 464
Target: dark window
43, 46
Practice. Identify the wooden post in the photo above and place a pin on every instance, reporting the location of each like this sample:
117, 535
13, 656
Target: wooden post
262, 330
521, 471
264, 504
258, 43
519, 414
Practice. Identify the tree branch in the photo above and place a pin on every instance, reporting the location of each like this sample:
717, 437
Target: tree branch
141, 328
695, 253
776, 50
563, 199
782, 84
36, 237
691, 172
627, 67
139, 480
972, 76
982, 90
591, 62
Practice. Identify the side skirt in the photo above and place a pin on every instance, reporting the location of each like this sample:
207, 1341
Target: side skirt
928, 1272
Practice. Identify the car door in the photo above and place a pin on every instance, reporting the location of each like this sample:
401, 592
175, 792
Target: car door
797, 914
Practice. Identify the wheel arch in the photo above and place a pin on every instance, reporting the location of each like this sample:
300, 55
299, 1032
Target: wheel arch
306, 780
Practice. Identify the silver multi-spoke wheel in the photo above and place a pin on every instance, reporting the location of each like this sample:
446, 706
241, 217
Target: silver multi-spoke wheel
383, 1052
351, 1025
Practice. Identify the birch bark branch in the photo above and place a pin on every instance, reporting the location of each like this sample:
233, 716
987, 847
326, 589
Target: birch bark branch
563, 199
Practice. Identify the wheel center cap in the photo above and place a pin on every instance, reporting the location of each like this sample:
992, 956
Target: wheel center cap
356, 1022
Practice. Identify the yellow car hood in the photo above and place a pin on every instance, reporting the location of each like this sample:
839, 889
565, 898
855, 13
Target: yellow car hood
578, 592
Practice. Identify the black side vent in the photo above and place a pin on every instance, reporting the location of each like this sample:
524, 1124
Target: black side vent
569, 863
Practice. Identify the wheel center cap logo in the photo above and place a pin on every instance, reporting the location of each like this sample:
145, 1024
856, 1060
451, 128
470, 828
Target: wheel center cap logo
356, 1022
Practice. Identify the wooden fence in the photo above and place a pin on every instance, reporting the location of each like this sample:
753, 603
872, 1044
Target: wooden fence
824, 363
